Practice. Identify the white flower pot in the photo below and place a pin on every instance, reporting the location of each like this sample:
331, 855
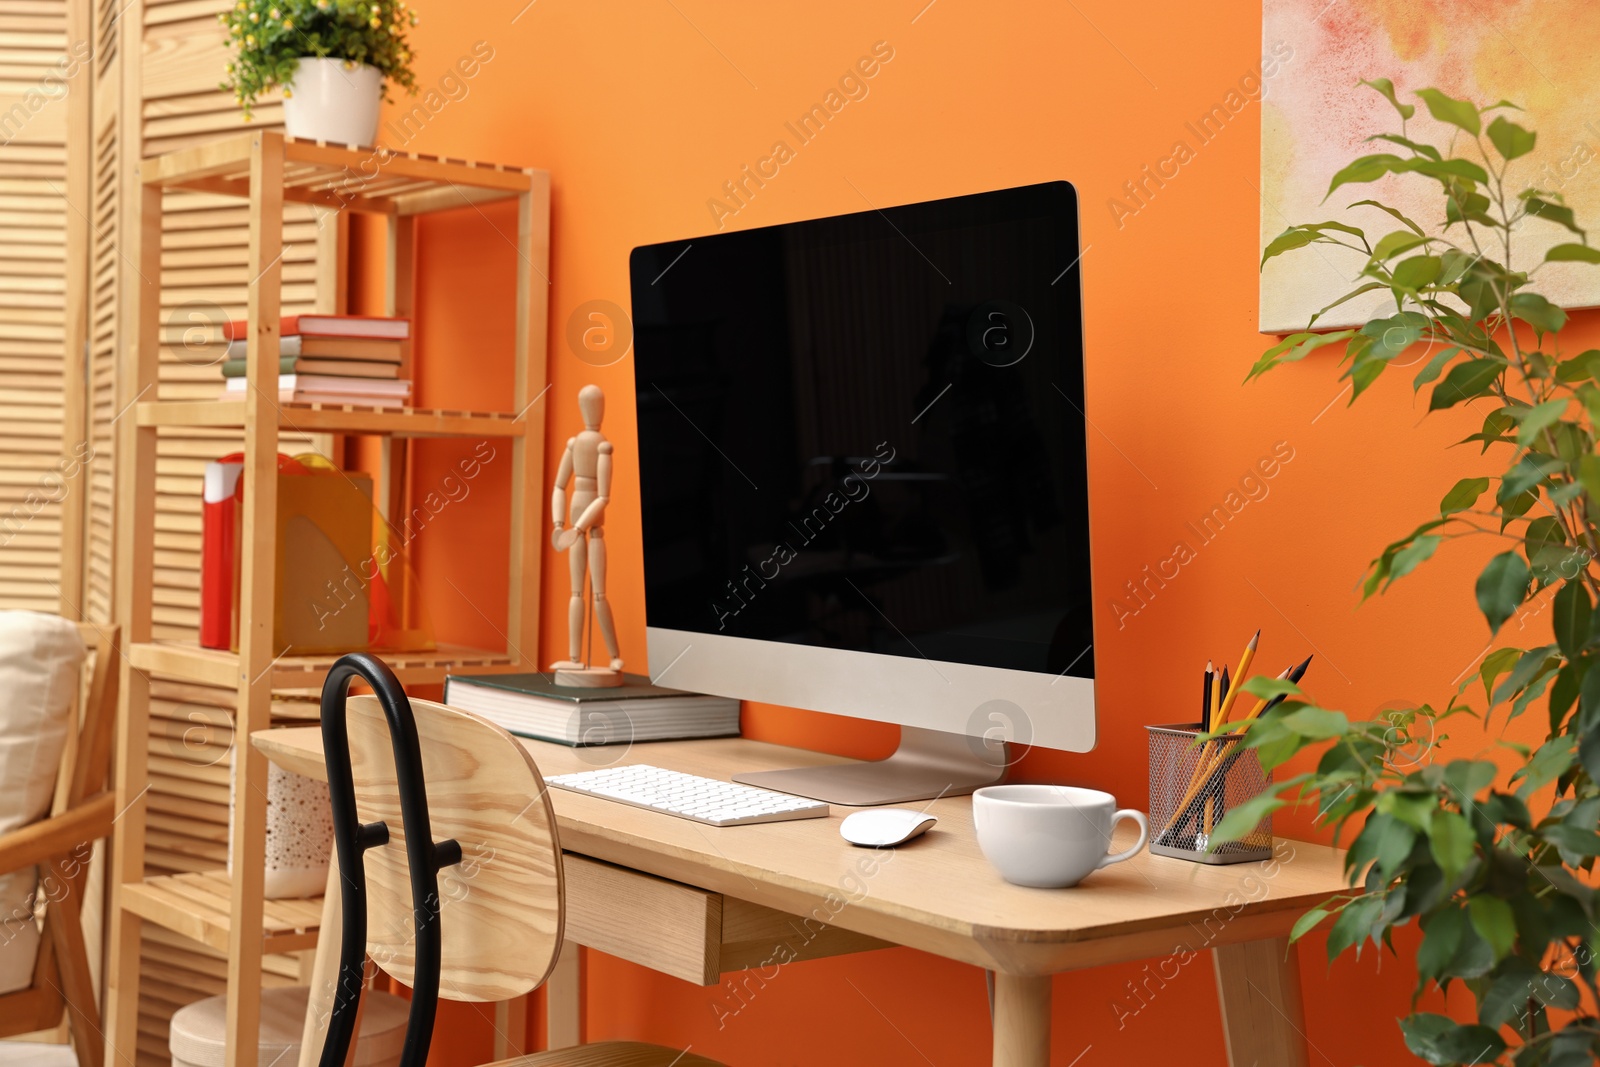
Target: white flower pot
333, 100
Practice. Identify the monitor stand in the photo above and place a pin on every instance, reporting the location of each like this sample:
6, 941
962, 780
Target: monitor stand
927, 765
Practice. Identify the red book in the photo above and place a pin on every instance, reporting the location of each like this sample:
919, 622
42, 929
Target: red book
373, 326
219, 556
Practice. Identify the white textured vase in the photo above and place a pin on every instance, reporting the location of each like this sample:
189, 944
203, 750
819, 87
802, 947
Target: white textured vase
333, 100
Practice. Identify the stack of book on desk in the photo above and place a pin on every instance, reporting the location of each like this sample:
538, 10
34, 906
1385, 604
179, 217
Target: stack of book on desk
532, 705
331, 359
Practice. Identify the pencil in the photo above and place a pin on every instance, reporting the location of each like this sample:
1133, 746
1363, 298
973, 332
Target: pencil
1239, 677
1214, 701
1205, 698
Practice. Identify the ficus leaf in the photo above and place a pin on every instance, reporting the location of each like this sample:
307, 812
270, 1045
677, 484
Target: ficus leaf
1259, 685
1493, 920
1434, 366
1572, 253
1460, 113
1509, 139
1316, 723
1446, 169
1392, 244
1354, 924
1416, 272
1294, 347
1526, 474
1292, 238
1425, 150
1386, 87
1451, 843
1585, 364
1391, 211
1494, 665
1466, 380
1536, 419
1501, 588
1243, 818
1572, 618
1463, 495
1548, 208
1407, 559
1307, 922
1538, 312
1441, 940
1366, 169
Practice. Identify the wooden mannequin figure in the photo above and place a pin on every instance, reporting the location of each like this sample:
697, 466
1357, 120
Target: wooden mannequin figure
587, 464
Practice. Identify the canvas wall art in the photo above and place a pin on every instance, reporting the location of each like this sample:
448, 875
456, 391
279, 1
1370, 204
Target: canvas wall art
1539, 54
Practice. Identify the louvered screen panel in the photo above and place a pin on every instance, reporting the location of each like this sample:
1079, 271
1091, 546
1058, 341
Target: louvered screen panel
33, 214
100, 377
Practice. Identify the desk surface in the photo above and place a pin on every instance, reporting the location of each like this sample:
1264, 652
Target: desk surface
936, 893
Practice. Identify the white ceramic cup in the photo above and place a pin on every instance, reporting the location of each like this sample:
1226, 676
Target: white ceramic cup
1050, 836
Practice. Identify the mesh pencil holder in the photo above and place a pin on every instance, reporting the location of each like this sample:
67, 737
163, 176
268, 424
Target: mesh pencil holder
1193, 786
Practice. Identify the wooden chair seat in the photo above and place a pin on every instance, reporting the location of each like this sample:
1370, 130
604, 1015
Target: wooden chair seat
611, 1054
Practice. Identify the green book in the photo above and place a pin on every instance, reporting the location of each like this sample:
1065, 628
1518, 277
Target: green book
235, 368
532, 705
339, 368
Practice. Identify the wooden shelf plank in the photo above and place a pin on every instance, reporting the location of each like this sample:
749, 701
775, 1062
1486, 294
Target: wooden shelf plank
219, 667
348, 176
335, 418
197, 906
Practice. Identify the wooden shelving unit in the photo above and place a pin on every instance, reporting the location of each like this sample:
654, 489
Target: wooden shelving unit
226, 912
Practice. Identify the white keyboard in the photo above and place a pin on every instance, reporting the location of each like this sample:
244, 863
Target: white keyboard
689, 796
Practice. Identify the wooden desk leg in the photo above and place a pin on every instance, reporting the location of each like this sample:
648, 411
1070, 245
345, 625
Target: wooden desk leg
324, 972
563, 1001
511, 1028
1021, 1021
1258, 985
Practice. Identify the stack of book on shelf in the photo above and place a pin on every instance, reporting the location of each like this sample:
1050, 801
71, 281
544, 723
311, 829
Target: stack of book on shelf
532, 705
329, 359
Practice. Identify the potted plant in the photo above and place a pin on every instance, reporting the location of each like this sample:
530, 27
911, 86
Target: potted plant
332, 59
1495, 868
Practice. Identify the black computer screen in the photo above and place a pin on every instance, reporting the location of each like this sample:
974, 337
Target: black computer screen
867, 432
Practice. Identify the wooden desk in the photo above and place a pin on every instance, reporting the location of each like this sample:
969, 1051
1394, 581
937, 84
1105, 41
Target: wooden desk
937, 894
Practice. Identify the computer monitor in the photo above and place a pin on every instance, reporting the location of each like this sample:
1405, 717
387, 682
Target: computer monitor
862, 468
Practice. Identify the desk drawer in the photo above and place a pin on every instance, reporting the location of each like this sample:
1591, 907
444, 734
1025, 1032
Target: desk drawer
685, 931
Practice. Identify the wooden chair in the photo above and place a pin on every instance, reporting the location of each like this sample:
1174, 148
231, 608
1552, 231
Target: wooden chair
446, 837
58, 846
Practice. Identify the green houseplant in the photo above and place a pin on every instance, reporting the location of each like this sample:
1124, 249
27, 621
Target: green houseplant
331, 58
1493, 867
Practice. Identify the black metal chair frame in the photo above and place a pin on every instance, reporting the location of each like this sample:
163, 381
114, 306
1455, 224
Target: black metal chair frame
425, 857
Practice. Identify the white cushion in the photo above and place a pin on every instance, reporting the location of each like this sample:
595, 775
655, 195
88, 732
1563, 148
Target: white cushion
40, 660
36, 1054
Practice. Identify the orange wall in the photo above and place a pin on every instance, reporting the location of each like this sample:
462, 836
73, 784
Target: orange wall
641, 110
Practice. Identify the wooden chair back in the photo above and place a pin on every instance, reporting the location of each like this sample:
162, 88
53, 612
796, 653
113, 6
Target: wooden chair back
500, 908
60, 847
89, 755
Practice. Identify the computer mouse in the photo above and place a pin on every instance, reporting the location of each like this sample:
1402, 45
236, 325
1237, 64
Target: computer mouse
885, 827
